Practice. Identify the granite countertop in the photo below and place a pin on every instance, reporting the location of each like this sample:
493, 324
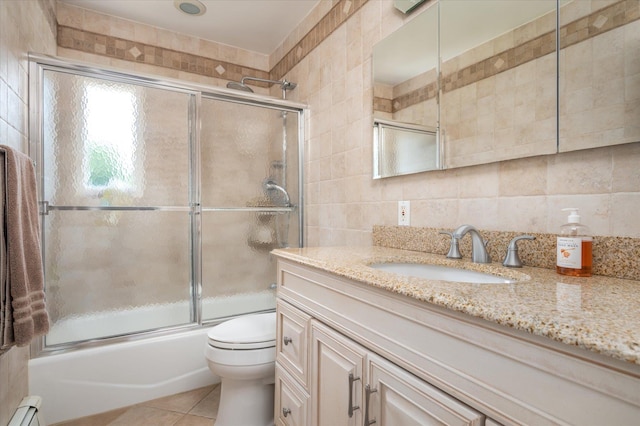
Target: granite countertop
598, 313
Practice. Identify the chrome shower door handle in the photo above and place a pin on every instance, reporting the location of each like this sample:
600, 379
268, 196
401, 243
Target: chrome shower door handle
367, 392
352, 379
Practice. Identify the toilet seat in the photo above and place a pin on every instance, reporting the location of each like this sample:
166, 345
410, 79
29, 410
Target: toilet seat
257, 331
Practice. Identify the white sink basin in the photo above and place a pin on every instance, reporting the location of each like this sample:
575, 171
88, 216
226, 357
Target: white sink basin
442, 273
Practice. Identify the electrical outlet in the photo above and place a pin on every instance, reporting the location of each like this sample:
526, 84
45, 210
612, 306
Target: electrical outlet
404, 213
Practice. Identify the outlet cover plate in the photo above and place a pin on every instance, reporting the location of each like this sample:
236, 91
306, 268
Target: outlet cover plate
404, 213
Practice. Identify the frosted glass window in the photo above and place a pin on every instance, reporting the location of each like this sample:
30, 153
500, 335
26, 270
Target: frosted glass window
108, 143
109, 149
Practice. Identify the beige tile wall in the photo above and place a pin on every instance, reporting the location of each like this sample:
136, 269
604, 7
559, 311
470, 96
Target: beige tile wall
26, 25
343, 202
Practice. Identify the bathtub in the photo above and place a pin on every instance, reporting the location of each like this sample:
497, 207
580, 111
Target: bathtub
88, 381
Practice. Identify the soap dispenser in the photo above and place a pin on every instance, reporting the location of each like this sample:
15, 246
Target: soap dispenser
574, 247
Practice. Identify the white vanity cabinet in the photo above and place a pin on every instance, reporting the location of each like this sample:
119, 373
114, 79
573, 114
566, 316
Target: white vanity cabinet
414, 363
352, 386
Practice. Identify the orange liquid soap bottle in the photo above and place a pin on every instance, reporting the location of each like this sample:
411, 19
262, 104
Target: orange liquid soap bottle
574, 247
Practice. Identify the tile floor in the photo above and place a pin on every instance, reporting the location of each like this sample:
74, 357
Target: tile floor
198, 407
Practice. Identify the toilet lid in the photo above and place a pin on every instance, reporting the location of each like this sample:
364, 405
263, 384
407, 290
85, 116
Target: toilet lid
245, 332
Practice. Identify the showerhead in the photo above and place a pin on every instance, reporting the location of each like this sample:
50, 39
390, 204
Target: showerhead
288, 85
284, 84
239, 86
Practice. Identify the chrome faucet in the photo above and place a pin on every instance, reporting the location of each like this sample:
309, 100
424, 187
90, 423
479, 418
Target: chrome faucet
479, 252
454, 247
512, 260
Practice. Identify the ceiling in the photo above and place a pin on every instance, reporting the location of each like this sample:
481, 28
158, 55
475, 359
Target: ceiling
255, 25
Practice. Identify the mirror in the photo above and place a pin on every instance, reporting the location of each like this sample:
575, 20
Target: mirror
599, 74
498, 80
405, 91
503, 92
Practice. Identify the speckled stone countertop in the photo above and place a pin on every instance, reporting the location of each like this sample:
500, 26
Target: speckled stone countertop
599, 313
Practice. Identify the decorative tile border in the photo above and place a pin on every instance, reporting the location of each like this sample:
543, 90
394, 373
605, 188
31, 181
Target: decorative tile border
127, 50
597, 23
617, 257
338, 14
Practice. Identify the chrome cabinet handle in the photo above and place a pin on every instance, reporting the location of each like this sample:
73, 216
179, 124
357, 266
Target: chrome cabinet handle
351, 406
287, 340
367, 392
286, 412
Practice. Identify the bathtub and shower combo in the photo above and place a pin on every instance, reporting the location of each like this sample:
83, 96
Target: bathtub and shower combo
160, 202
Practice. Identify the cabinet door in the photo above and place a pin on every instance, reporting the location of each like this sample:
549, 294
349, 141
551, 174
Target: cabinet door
398, 398
336, 378
291, 401
293, 341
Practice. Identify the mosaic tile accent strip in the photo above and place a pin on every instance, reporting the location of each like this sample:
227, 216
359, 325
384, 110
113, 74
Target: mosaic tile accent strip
118, 48
599, 22
617, 257
338, 14
509, 59
382, 104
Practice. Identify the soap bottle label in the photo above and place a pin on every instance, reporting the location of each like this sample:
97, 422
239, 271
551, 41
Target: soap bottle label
569, 253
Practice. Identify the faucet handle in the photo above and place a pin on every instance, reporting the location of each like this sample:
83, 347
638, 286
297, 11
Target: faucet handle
512, 260
454, 248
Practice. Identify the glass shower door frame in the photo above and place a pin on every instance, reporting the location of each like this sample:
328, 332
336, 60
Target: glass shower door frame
39, 64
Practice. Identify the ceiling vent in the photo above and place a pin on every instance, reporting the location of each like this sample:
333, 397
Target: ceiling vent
190, 7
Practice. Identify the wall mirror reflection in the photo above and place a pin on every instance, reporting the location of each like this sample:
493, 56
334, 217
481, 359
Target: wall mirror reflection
599, 74
498, 80
405, 75
487, 76
403, 149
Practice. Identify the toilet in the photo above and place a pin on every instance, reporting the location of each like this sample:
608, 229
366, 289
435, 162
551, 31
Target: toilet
242, 352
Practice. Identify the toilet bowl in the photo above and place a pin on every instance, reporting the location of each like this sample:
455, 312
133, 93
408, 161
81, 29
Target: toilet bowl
242, 352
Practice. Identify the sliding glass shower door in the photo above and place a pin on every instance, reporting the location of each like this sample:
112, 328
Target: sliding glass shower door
160, 203
249, 168
116, 206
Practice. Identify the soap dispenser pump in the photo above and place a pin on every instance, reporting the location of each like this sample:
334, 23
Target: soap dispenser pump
574, 247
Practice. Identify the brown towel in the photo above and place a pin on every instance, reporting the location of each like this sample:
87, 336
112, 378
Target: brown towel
26, 316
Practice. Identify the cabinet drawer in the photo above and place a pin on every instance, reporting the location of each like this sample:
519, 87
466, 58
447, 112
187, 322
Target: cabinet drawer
291, 401
292, 341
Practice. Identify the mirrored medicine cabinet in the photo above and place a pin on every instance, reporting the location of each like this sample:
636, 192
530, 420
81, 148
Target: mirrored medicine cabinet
487, 77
